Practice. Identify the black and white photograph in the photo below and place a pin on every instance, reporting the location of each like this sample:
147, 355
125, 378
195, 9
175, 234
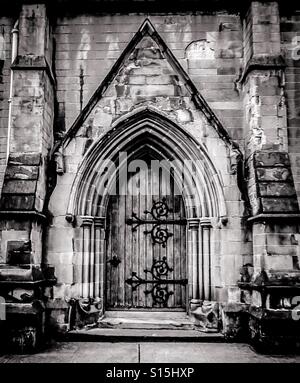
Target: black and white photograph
149, 185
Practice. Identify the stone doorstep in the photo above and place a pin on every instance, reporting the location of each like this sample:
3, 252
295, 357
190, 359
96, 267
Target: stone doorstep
122, 323
156, 320
121, 326
141, 314
141, 335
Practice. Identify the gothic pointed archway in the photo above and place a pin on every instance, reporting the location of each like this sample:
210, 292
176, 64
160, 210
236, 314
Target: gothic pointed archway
145, 135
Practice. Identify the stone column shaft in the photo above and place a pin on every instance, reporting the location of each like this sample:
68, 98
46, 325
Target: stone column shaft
205, 224
86, 249
99, 257
193, 236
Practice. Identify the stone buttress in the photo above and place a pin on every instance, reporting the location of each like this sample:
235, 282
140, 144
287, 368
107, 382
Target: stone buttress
24, 192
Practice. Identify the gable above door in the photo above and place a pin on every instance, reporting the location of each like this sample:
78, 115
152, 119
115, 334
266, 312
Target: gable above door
147, 74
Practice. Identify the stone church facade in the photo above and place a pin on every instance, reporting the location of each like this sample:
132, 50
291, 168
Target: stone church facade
91, 101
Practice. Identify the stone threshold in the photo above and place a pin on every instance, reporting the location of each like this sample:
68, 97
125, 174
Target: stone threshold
142, 335
139, 319
144, 326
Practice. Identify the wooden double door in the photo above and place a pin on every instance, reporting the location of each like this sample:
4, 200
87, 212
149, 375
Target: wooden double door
146, 265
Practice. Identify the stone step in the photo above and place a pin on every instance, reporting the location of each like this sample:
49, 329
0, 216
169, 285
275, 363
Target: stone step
142, 335
146, 314
146, 320
140, 324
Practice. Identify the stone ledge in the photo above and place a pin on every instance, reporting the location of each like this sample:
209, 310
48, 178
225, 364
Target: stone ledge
270, 314
23, 273
279, 204
26, 276
274, 216
262, 63
267, 158
275, 189
34, 308
23, 214
31, 62
25, 159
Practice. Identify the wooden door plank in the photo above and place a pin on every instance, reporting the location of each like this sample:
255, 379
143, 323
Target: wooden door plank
177, 253
170, 252
128, 246
143, 176
111, 274
147, 239
115, 253
183, 258
135, 239
122, 237
108, 256
154, 198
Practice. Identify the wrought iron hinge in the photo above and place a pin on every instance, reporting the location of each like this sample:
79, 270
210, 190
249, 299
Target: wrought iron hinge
159, 272
159, 212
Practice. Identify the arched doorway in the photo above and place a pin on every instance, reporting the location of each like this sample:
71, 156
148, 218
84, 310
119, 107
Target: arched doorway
100, 212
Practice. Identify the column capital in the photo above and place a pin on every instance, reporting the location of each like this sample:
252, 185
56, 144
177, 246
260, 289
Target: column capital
193, 223
205, 222
99, 221
87, 220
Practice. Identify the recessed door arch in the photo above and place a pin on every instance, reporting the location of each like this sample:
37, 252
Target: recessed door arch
90, 197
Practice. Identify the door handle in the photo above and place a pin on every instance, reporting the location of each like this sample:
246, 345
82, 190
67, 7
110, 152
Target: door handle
114, 261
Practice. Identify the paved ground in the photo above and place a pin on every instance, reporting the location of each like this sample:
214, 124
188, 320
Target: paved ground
97, 352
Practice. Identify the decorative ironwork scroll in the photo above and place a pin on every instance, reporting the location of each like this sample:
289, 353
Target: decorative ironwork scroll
114, 261
159, 217
159, 273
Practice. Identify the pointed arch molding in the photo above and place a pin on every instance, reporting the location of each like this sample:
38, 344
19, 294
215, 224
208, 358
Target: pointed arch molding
147, 28
146, 128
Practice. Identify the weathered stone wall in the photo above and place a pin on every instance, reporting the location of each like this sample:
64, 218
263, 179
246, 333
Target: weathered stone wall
237, 63
6, 26
32, 112
290, 45
209, 47
270, 183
